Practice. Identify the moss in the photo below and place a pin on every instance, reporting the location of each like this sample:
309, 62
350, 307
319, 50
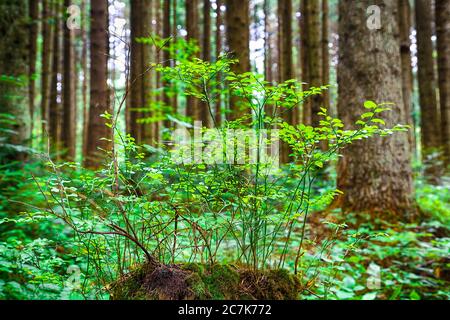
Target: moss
200, 282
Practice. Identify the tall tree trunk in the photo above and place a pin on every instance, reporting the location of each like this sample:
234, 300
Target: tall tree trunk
325, 53
304, 45
375, 175
285, 61
238, 36
443, 49
166, 59
14, 58
175, 39
33, 34
99, 92
54, 112
46, 62
147, 134
267, 43
314, 52
136, 70
427, 83
192, 105
69, 108
205, 114
219, 23
84, 67
405, 53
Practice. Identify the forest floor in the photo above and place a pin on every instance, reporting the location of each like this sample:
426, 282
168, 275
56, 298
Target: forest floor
346, 256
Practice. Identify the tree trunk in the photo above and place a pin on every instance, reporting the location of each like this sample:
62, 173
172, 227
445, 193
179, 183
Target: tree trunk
443, 50
46, 62
304, 45
98, 131
136, 69
147, 135
166, 59
325, 54
84, 67
286, 70
54, 112
206, 56
238, 36
427, 83
192, 28
405, 53
313, 53
69, 109
219, 22
33, 33
375, 175
14, 58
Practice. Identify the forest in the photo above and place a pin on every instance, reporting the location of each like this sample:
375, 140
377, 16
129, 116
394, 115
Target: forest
224, 150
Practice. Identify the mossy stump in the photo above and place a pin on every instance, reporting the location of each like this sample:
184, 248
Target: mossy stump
200, 282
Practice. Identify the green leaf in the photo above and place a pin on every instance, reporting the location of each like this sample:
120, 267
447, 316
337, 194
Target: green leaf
369, 296
367, 115
370, 104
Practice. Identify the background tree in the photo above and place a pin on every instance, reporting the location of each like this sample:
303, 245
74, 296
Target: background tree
46, 63
33, 10
443, 51
193, 33
69, 93
375, 176
238, 37
14, 59
98, 131
430, 135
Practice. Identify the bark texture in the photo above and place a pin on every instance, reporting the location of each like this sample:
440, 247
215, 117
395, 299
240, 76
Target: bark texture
99, 92
375, 175
443, 50
238, 36
427, 83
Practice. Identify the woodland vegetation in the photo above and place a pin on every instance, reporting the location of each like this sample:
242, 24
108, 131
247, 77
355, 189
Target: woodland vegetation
317, 164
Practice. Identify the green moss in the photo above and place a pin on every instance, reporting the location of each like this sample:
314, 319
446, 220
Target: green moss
218, 282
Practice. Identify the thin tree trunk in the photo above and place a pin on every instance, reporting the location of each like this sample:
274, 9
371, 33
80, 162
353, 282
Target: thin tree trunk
84, 67
427, 82
98, 131
206, 56
166, 60
14, 58
192, 105
285, 61
375, 175
304, 45
69, 108
135, 99
46, 62
325, 53
405, 52
314, 59
54, 112
238, 36
443, 49
219, 23
147, 134
33, 34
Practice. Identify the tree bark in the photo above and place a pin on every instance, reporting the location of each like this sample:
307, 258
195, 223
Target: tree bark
206, 56
314, 53
443, 50
219, 23
325, 54
192, 28
166, 60
84, 67
405, 53
286, 70
33, 34
375, 175
54, 112
99, 92
14, 58
427, 82
238, 36
68, 128
46, 62
304, 45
